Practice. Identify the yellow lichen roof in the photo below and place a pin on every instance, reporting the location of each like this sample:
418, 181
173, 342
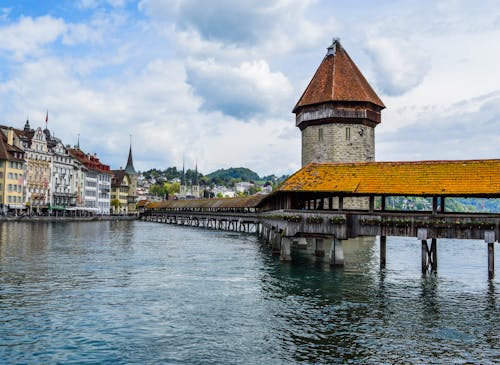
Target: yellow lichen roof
226, 203
425, 178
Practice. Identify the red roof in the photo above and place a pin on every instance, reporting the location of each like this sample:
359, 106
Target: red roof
91, 162
338, 79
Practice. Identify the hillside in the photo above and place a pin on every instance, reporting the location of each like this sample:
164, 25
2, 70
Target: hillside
224, 176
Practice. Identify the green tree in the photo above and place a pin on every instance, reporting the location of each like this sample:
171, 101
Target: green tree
115, 203
172, 188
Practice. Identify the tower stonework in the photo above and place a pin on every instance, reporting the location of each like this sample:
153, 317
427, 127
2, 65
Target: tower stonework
338, 112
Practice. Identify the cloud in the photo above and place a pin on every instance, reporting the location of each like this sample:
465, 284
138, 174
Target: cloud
225, 20
464, 130
398, 64
244, 91
29, 35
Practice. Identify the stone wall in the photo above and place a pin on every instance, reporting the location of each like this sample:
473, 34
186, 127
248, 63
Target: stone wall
338, 142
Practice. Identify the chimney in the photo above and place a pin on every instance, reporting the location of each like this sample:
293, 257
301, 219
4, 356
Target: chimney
10, 136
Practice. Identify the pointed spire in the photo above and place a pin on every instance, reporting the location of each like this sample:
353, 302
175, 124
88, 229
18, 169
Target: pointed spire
130, 165
78, 142
196, 174
183, 176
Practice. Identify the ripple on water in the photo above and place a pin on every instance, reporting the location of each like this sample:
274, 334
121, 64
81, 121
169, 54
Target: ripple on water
138, 293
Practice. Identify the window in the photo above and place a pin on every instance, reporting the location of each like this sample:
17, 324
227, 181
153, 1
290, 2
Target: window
348, 134
320, 134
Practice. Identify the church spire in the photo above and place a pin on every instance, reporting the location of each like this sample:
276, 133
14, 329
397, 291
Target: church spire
130, 165
196, 182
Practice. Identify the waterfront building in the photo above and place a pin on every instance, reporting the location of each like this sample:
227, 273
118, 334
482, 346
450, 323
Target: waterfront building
63, 177
120, 192
12, 171
97, 182
38, 169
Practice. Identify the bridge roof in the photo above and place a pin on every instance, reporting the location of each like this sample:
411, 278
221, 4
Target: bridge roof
416, 178
226, 203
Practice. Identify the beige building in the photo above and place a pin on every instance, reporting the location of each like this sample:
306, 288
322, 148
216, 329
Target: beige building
39, 164
120, 192
12, 171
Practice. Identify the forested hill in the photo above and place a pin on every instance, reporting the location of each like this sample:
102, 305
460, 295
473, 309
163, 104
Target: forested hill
236, 173
220, 177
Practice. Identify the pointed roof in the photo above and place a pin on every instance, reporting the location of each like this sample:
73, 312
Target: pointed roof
337, 79
130, 165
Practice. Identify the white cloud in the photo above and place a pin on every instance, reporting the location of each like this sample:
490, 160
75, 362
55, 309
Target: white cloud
399, 65
244, 91
463, 130
29, 35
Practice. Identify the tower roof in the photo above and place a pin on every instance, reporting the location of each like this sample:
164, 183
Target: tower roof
130, 165
337, 79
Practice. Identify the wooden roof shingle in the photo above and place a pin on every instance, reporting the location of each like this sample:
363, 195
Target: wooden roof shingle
415, 178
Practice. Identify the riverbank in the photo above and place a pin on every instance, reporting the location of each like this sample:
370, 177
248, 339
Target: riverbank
66, 219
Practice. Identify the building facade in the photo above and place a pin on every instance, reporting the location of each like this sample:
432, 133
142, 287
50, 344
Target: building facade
96, 184
12, 171
120, 192
38, 169
63, 177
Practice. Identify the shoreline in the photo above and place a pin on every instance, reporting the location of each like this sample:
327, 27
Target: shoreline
36, 219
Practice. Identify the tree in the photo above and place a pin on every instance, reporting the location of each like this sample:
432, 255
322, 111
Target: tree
172, 188
115, 203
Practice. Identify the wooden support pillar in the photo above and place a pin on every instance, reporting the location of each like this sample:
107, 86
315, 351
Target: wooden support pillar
336, 253
433, 255
434, 204
371, 203
341, 203
286, 249
442, 205
491, 260
330, 203
489, 238
429, 256
383, 240
425, 257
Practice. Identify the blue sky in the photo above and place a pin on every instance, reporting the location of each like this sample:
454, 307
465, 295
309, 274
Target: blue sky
214, 82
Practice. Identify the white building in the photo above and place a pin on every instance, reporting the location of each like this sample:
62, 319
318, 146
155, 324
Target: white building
63, 177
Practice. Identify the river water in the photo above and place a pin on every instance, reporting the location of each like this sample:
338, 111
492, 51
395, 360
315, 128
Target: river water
147, 293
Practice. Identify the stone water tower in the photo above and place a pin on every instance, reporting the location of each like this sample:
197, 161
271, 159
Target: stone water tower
338, 112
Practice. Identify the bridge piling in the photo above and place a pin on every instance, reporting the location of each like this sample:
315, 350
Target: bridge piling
429, 256
285, 249
383, 241
336, 253
489, 238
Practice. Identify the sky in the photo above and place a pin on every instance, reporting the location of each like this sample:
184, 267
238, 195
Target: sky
213, 83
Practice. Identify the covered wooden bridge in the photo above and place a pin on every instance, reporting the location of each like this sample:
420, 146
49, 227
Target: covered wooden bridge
338, 201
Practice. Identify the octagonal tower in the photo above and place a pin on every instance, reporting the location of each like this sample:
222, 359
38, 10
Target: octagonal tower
338, 112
